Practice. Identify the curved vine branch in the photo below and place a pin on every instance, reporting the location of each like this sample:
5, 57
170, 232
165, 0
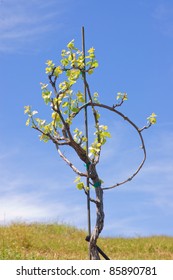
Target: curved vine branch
140, 136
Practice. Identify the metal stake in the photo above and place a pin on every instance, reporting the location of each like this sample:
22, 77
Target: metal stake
86, 135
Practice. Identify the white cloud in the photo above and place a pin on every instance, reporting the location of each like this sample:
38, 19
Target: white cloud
29, 193
26, 21
38, 199
30, 208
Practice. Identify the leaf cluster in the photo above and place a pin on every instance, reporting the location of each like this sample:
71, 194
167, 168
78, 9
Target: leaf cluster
66, 103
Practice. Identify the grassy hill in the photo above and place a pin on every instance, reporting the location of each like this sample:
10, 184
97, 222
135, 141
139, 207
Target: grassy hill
60, 242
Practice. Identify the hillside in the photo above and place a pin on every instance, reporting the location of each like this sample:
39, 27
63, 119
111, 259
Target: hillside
61, 242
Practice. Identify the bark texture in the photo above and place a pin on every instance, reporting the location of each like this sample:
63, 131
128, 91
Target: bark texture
99, 213
99, 224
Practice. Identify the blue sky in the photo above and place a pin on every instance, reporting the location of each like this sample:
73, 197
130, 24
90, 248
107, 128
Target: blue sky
133, 42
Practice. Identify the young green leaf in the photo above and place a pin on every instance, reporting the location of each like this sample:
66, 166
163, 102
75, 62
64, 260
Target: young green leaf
27, 109
78, 178
58, 71
122, 96
28, 122
71, 46
80, 186
152, 118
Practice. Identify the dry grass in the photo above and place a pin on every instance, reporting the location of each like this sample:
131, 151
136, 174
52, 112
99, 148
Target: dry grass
60, 242
141, 248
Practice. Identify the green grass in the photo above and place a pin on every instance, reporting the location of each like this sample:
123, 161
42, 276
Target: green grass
60, 242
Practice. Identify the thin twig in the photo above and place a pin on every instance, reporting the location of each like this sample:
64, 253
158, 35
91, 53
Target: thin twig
118, 104
91, 199
145, 127
69, 163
